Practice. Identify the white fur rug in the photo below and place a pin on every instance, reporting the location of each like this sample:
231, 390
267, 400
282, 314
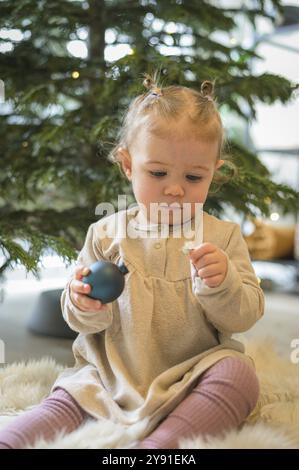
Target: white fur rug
274, 424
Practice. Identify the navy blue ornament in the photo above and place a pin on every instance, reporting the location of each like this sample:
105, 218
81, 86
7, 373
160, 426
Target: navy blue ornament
106, 279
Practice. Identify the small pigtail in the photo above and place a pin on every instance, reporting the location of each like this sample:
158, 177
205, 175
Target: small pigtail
207, 90
148, 81
151, 84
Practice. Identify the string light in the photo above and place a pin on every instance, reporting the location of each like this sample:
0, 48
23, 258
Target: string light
75, 74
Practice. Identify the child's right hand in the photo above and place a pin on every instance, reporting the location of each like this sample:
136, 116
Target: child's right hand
79, 291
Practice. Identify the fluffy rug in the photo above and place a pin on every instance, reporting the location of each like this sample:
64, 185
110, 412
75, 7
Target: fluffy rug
274, 424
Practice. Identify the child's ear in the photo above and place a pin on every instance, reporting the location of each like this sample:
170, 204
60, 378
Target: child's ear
125, 160
219, 163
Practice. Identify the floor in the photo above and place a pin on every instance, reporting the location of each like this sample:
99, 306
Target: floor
18, 299
20, 343
280, 321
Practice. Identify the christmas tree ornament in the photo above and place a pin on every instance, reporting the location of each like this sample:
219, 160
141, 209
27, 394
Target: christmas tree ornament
106, 279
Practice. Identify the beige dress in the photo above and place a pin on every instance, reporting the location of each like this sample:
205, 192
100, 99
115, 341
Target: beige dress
139, 359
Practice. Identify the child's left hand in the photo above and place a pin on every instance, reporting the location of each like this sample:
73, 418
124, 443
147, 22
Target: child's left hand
210, 262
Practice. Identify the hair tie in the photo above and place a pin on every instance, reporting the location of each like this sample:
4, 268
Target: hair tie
158, 92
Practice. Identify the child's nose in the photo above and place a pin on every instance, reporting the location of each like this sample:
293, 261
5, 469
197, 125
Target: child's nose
174, 190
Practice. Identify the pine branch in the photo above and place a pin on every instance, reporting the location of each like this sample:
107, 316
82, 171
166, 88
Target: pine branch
56, 131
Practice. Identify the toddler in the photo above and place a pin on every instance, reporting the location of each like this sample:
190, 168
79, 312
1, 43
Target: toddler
163, 351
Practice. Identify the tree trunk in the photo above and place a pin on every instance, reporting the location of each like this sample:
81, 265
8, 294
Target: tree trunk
97, 15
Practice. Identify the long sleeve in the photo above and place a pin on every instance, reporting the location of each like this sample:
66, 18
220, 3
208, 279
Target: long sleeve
78, 320
238, 302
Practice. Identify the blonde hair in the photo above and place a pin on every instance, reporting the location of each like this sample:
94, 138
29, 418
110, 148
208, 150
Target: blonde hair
160, 109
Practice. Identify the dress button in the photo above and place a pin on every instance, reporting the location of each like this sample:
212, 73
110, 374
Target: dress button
157, 245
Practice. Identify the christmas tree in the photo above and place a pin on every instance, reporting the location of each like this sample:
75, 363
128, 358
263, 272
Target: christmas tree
62, 113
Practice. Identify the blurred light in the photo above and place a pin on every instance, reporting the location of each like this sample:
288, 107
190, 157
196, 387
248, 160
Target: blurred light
82, 33
170, 28
77, 49
168, 40
168, 51
75, 74
187, 40
110, 36
148, 19
274, 216
157, 25
6, 47
248, 228
113, 53
12, 34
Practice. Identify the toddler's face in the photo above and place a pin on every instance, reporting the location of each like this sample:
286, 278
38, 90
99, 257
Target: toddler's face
167, 171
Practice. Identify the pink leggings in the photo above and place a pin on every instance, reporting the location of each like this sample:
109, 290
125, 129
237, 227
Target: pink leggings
223, 397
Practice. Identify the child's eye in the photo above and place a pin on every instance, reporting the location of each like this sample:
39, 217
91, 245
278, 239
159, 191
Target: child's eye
158, 173
193, 177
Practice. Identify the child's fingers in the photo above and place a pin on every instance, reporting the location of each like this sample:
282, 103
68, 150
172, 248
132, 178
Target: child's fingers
79, 291
81, 271
87, 304
80, 287
201, 251
90, 305
209, 271
213, 281
206, 260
